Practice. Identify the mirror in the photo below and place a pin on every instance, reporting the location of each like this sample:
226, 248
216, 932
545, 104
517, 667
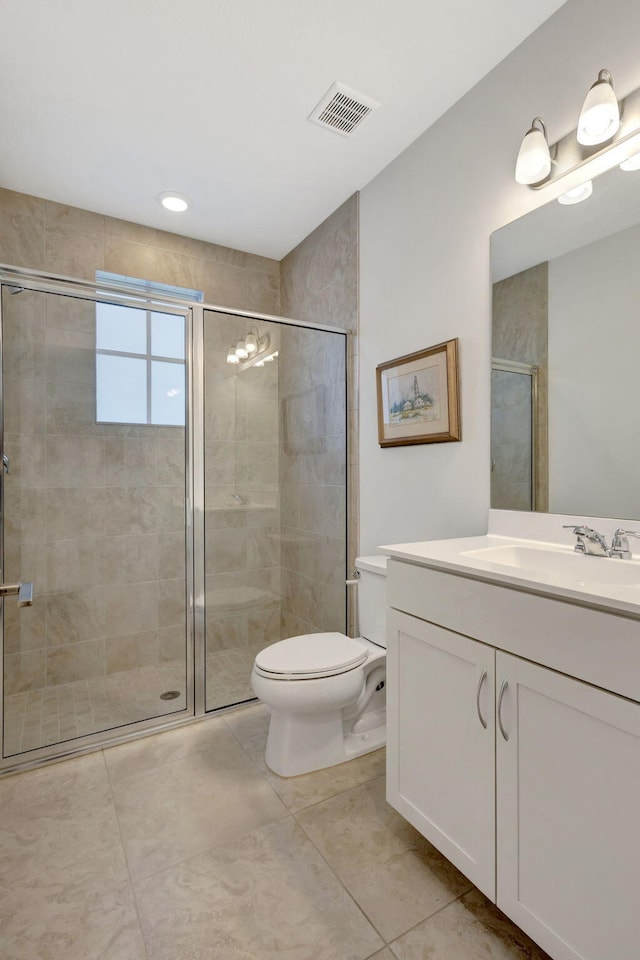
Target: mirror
565, 398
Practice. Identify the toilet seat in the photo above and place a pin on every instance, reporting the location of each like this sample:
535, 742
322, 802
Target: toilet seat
310, 656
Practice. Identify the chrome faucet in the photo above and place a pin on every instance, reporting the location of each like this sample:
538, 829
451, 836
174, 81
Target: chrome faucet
590, 542
620, 543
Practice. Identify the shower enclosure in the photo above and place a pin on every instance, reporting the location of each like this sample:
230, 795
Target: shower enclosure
175, 511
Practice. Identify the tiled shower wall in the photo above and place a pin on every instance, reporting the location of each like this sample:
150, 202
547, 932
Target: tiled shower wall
100, 522
319, 283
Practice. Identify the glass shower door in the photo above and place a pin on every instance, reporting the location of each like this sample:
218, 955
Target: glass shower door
275, 465
93, 512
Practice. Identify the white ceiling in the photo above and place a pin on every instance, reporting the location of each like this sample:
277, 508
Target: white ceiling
106, 103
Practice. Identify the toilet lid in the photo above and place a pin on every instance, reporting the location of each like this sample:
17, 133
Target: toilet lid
311, 655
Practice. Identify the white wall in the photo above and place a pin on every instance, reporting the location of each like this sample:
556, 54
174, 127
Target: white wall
424, 257
594, 374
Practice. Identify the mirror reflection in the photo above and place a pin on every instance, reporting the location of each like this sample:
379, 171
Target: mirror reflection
565, 400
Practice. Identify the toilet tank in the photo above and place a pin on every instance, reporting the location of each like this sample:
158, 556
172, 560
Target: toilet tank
372, 598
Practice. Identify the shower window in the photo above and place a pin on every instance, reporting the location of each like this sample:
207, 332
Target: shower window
140, 359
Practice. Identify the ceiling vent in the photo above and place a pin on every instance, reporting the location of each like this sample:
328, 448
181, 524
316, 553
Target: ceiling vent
342, 109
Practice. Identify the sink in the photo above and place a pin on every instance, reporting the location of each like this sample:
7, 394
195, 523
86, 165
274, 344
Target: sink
556, 561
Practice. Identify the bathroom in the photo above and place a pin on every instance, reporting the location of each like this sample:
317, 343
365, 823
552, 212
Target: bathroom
427, 216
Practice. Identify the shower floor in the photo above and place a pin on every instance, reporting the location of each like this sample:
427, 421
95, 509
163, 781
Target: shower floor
39, 718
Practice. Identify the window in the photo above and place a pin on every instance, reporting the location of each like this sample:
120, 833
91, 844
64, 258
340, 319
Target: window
140, 358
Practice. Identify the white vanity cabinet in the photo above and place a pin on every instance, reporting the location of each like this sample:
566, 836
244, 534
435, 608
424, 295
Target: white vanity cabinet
441, 742
540, 808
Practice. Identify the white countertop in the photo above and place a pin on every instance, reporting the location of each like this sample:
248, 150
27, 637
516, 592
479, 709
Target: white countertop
549, 569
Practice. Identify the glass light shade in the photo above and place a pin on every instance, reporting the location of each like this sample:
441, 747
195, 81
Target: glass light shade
534, 161
250, 342
632, 163
173, 201
241, 351
259, 363
578, 194
600, 114
231, 356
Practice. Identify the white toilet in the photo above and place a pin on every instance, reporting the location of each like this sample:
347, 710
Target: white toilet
325, 691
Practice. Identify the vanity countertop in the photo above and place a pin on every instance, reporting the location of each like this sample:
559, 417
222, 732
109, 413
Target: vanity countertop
548, 569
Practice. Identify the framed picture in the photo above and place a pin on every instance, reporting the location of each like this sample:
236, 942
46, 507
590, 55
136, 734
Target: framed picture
418, 397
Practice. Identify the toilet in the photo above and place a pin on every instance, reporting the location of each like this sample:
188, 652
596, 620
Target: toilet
325, 691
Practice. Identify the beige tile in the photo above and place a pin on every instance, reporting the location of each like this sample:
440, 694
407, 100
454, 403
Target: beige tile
469, 929
131, 607
75, 661
75, 513
383, 955
398, 880
25, 628
133, 650
24, 671
183, 807
75, 462
76, 615
243, 897
24, 405
21, 240
171, 602
22, 203
130, 258
60, 921
73, 564
133, 758
73, 250
59, 824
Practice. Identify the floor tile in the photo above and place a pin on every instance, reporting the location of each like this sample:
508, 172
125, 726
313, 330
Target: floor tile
58, 825
395, 875
251, 726
52, 921
383, 955
266, 896
138, 755
469, 929
177, 809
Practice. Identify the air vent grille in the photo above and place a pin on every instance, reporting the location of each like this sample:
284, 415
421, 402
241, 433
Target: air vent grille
342, 109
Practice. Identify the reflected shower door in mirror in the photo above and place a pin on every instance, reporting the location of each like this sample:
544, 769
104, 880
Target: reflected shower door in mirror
275, 492
515, 480
566, 298
93, 497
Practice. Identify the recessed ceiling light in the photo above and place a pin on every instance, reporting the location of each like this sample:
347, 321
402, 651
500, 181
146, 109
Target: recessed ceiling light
173, 201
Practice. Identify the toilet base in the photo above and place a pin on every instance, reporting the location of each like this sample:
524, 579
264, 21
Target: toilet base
313, 742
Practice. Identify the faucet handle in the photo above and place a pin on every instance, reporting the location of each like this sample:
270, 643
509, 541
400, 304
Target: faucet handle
620, 543
579, 529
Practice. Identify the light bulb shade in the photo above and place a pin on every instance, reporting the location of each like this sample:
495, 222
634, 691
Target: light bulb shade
534, 160
600, 114
250, 343
632, 163
241, 351
578, 194
231, 356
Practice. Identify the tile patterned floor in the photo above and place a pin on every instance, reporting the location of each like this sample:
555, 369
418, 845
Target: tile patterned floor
183, 846
54, 714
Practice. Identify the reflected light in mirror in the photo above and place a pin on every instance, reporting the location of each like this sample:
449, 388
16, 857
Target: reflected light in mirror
633, 163
577, 195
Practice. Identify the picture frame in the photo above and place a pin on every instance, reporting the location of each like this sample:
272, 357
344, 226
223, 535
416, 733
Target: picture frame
419, 397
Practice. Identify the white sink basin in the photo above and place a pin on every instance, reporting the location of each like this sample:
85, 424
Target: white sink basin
553, 562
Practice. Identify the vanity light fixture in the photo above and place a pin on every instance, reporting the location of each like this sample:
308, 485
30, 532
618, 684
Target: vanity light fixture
600, 114
577, 194
534, 160
601, 141
632, 163
173, 201
252, 349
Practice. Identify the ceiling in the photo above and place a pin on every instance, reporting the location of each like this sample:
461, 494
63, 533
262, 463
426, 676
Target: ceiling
104, 104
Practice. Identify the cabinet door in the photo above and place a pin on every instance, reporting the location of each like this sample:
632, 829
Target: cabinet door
567, 812
441, 741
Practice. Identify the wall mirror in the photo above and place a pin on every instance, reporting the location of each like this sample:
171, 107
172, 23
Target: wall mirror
565, 398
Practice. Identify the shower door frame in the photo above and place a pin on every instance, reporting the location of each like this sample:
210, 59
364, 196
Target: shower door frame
193, 313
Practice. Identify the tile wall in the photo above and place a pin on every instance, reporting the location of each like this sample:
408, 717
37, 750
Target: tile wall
319, 283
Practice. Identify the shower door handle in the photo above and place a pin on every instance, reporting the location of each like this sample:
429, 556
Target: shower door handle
24, 592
